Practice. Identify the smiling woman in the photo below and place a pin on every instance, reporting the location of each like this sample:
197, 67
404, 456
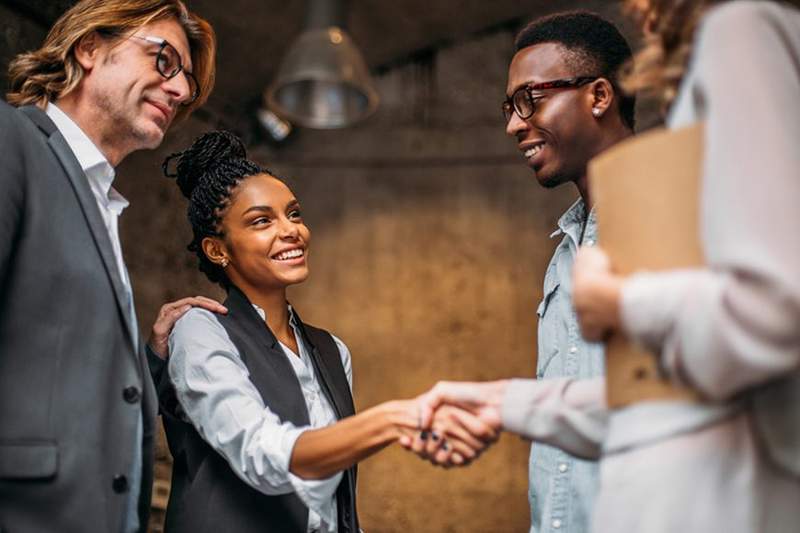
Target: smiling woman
267, 439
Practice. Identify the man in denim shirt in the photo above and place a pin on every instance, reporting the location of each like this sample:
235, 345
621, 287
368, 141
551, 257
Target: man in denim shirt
563, 107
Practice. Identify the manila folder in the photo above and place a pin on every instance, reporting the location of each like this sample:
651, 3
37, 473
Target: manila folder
646, 195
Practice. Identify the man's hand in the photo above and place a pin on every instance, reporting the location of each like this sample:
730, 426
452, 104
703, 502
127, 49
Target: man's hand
170, 313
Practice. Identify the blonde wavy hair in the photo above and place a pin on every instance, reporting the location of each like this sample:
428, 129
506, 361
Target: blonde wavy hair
669, 26
52, 71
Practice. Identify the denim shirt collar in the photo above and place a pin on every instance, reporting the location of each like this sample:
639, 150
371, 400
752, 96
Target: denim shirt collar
571, 224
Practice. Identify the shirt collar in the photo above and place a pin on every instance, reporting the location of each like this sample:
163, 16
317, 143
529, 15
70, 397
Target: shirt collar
571, 223
98, 170
292, 317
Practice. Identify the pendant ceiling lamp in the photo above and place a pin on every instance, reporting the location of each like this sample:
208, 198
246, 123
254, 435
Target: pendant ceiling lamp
323, 81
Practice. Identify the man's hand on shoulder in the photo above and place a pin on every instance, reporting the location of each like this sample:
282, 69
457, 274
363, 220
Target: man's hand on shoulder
170, 313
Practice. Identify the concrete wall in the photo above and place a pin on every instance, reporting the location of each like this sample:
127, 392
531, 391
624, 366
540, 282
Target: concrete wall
430, 240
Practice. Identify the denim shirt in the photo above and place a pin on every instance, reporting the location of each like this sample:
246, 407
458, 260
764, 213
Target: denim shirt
562, 488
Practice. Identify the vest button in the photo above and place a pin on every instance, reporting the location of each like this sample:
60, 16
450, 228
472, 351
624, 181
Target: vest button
131, 394
119, 484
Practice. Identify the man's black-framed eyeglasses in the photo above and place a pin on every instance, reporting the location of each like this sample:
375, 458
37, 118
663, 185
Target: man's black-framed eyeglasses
523, 100
169, 65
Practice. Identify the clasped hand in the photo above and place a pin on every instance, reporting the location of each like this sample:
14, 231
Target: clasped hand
458, 422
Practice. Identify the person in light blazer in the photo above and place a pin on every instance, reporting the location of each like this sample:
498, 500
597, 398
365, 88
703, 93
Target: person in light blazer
77, 404
729, 331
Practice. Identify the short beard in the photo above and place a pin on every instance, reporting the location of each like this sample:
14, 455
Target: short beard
552, 181
122, 128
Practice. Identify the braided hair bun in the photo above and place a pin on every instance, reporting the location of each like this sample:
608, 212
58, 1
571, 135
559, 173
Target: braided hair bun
206, 152
207, 173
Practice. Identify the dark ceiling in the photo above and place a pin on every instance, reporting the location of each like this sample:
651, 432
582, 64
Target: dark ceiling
253, 35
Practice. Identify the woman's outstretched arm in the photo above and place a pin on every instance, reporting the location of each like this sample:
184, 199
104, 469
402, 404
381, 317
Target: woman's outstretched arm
320, 453
214, 389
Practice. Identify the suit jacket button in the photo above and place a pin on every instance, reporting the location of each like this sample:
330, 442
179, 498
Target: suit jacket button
131, 394
119, 484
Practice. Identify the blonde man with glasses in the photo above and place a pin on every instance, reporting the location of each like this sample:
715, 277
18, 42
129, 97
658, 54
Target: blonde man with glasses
77, 407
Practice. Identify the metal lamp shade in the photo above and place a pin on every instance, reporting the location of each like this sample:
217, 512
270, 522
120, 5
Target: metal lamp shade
323, 81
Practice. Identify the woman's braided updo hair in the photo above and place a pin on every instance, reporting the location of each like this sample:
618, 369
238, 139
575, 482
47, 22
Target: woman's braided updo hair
207, 173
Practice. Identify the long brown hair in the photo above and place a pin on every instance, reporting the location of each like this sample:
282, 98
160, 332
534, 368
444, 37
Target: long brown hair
670, 26
52, 71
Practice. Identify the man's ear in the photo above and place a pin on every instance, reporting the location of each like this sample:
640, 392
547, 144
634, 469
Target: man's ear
602, 96
87, 50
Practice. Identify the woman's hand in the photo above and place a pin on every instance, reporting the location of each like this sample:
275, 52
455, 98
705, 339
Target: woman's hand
596, 293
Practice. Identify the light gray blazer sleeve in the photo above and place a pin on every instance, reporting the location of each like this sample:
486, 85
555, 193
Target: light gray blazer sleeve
736, 324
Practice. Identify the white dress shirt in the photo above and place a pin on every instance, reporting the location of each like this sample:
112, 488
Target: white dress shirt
100, 174
214, 389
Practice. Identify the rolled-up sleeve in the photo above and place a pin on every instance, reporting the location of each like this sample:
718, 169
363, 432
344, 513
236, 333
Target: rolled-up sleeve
213, 387
734, 325
565, 413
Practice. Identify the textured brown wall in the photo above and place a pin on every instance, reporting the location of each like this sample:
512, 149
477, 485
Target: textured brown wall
430, 240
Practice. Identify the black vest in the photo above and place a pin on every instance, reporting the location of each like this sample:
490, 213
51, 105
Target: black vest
207, 496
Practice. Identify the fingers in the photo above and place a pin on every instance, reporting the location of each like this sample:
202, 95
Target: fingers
459, 421
456, 453
469, 427
465, 395
435, 443
194, 301
453, 440
429, 401
170, 313
438, 450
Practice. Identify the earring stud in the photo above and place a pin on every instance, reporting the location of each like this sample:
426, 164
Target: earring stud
596, 111
224, 262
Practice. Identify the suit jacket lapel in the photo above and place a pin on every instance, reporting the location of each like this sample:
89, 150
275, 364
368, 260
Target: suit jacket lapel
89, 207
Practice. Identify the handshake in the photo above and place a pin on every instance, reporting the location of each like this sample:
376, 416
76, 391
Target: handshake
456, 422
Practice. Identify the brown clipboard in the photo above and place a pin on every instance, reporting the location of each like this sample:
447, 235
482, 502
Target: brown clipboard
646, 194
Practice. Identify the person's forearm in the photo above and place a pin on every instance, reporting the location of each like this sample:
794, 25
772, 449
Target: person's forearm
565, 413
320, 453
717, 332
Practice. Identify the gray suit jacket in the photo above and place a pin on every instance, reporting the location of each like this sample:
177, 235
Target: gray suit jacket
72, 383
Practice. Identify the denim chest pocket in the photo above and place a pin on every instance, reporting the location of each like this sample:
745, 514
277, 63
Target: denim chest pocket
546, 300
548, 334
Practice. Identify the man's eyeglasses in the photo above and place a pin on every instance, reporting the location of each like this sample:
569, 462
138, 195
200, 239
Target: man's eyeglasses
169, 65
523, 101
